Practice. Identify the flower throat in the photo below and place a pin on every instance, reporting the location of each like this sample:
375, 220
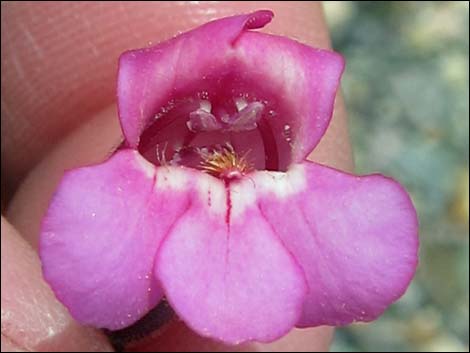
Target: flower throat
226, 133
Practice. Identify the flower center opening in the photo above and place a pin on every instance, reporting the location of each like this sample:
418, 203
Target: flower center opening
224, 129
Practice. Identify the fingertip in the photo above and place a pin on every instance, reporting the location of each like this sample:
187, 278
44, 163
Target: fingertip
32, 319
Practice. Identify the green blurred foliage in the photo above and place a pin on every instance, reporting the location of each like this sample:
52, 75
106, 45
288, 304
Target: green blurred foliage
407, 92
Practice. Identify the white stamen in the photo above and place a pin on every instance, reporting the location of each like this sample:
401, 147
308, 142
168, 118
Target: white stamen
205, 105
248, 118
240, 103
200, 120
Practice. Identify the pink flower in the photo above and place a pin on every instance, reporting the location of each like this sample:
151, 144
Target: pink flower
213, 205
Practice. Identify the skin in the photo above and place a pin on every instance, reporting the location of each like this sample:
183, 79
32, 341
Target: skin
59, 64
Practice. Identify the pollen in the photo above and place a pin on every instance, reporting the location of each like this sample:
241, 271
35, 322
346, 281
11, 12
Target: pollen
225, 163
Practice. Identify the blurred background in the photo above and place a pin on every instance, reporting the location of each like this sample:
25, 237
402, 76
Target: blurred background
407, 92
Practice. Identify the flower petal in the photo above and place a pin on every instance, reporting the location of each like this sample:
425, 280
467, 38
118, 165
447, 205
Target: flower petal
100, 236
298, 83
224, 271
355, 237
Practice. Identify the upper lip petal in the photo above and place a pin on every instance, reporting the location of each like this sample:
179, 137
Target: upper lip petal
303, 79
